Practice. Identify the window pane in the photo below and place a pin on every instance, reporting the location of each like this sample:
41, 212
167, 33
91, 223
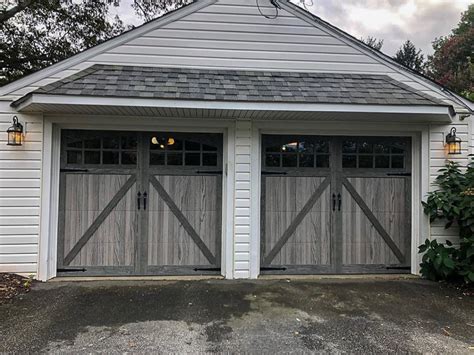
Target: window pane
158, 143
157, 159
73, 142
349, 147
174, 159
289, 147
209, 159
398, 161
382, 161
110, 158
93, 142
74, 157
322, 147
397, 150
305, 147
173, 143
272, 160
190, 145
111, 142
307, 160
209, 148
129, 158
381, 148
349, 161
273, 148
192, 159
322, 161
365, 147
289, 160
91, 157
366, 161
129, 142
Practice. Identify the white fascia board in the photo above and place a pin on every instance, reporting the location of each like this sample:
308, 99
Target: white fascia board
228, 105
107, 45
351, 41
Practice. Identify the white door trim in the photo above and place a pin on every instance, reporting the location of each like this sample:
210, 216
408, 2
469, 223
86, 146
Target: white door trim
420, 171
47, 264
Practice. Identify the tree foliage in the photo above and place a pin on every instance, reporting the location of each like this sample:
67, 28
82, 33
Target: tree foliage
452, 63
47, 31
373, 42
148, 10
37, 33
409, 56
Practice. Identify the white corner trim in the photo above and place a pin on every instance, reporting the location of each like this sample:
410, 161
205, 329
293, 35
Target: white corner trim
46, 99
107, 45
228, 203
255, 188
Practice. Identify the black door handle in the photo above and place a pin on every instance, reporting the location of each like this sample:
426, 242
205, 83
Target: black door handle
145, 195
333, 202
139, 196
339, 201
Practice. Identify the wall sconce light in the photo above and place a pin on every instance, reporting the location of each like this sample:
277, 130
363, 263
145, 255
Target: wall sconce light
15, 133
453, 142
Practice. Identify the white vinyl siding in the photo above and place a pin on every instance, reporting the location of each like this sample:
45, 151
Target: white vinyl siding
20, 178
438, 159
242, 205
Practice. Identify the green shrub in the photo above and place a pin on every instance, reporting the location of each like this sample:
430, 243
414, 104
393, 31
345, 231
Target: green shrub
452, 202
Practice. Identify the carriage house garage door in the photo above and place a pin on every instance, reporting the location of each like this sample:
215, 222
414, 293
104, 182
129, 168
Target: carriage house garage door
335, 204
139, 203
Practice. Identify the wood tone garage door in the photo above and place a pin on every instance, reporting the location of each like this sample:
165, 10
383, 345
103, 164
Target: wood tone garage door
335, 204
139, 203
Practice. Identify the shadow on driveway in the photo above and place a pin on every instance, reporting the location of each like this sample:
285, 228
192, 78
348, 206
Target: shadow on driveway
240, 316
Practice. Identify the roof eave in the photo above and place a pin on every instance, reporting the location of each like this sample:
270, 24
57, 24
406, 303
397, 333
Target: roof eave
439, 113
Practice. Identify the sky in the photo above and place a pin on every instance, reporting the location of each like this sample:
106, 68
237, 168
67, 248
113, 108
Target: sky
394, 21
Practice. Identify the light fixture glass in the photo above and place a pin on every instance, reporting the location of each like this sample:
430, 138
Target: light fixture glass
453, 142
15, 133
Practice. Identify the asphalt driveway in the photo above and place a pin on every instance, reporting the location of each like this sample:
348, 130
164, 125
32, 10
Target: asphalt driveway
245, 316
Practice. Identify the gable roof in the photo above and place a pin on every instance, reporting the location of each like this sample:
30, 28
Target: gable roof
196, 6
235, 85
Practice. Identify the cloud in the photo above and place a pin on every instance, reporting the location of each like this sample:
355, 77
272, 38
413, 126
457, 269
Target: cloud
394, 21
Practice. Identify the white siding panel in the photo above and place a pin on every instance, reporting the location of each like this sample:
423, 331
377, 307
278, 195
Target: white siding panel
20, 178
438, 159
242, 210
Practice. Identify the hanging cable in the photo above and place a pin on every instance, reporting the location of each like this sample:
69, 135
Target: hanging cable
307, 4
266, 16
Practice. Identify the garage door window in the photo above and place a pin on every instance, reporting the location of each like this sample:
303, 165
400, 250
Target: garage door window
83, 148
298, 153
171, 151
370, 154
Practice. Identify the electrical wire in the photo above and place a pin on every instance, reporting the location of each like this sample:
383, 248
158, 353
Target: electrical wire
266, 16
306, 5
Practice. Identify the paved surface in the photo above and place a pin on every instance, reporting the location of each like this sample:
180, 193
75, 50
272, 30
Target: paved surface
254, 316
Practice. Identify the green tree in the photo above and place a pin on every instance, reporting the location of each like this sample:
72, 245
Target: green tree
149, 10
373, 42
409, 56
452, 63
44, 32
37, 33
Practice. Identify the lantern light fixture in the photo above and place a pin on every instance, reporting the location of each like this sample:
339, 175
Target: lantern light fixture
453, 142
15, 133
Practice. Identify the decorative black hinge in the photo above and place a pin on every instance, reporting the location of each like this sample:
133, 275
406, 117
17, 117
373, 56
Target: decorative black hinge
398, 174
72, 270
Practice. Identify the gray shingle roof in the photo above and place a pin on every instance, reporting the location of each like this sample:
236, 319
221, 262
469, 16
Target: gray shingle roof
237, 85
